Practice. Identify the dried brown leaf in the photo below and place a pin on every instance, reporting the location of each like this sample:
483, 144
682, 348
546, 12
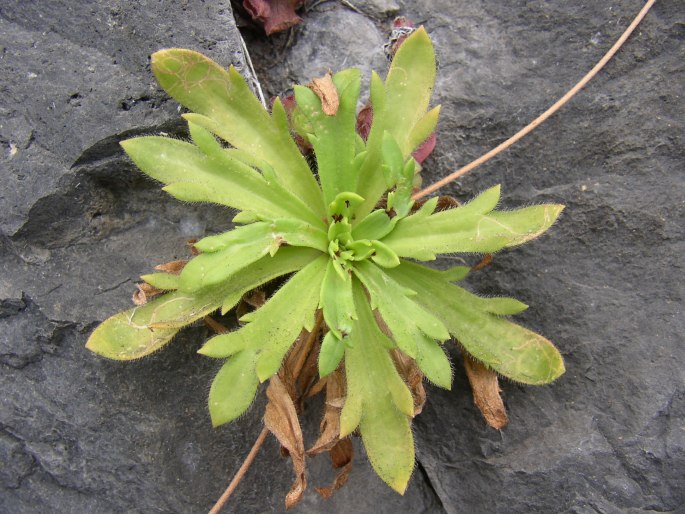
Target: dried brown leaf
300, 369
341, 458
486, 392
215, 325
281, 420
174, 267
190, 243
330, 425
318, 387
487, 258
412, 375
144, 292
444, 203
328, 94
255, 298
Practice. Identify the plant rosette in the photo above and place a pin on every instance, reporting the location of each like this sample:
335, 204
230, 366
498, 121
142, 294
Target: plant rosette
355, 278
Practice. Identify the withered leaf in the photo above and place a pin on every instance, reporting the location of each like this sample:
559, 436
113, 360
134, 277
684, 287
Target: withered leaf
330, 425
281, 420
215, 325
144, 292
444, 203
328, 94
412, 375
341, 458
300, 370
487, 258
486, 392
275, 15
173, 266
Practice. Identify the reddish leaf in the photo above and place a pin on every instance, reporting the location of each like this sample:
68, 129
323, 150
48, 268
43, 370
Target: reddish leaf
281, 420
486, 392
425, 149
401, 29
275, 15
364, 120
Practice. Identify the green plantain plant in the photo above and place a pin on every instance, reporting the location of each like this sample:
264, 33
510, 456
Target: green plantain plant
357, 304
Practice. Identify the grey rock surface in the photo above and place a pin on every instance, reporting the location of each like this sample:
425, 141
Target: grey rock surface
78, 224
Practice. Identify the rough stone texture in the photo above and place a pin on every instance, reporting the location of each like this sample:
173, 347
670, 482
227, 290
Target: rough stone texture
78, 225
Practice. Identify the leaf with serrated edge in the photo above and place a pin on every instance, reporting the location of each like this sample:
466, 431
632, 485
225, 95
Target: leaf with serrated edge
378, 400
142, 330
222, 102
223, 180
333, 137
467, 229
506, 347
408, 87
407, 321
273, 328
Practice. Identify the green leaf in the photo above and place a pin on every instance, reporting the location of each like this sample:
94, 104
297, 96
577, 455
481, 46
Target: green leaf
285, 231
408, 88
506, 347
225, 105
143, 330
264, 270
336, 301
378, 400
241, 247
407, 321
469, 229
164, 281
205, 140
332, 351
432, 360
399, 106
333, 137
503, 306
375, 226
194, 176
234, 388
371, 181
384, 255
273, 328
456, 273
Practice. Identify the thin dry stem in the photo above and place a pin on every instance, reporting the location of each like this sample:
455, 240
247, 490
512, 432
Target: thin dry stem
543, 117
241, 472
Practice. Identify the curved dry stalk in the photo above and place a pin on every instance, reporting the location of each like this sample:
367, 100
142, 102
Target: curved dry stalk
241, 472
543, 117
